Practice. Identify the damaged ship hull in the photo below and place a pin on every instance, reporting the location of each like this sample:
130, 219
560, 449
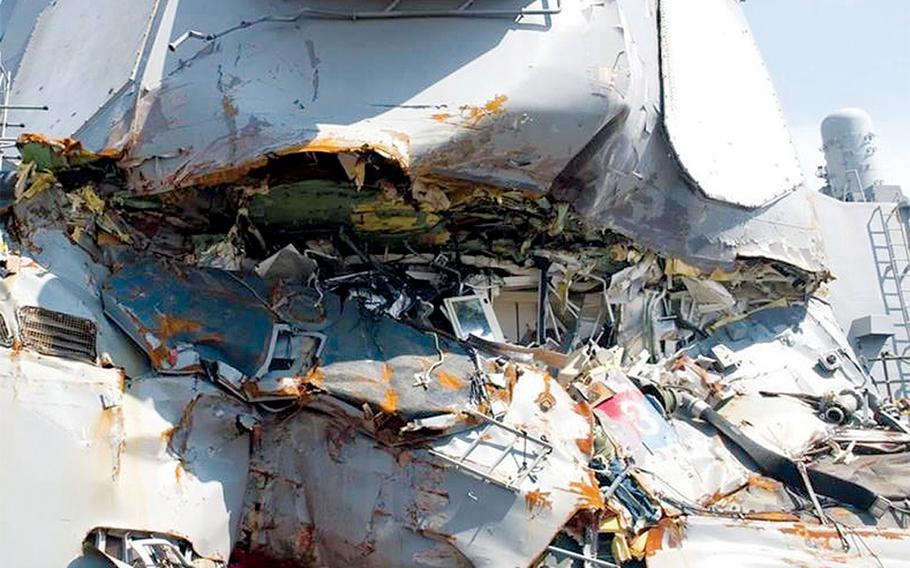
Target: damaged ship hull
408, 283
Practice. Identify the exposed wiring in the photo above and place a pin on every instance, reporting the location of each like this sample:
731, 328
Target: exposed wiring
423, 379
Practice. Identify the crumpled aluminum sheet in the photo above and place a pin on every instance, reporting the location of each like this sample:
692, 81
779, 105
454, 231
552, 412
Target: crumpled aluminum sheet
720, 543
87, 449
322, 490
581, 122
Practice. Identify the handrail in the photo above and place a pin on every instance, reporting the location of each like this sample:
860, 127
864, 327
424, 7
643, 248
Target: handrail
465, 10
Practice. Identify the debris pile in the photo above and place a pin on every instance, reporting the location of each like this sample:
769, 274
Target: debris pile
427, 374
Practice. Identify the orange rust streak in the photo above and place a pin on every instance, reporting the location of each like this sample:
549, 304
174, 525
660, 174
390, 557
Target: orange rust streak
104, 238
668, 526
322, 145
545, 400
252, 389
159, 355
169, 326
584, 410
600, 392
110, 427
449, 381
387, 373
756, 481
389, 404
589, 493
68, 145
441, 116
336, 146
829, 535
315, 376
168, 435
492, 107
538, 500
495, 105
511, 373
655, 540
585, 445
500, 394
765, 483
772, 516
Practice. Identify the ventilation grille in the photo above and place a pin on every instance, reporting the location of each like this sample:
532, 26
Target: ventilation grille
6, 338
55, 333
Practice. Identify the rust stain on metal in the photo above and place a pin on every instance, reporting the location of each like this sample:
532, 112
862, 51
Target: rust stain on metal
389, 403
772, 516
387, 373
585, 445
326, 145
537, 500
511, 373
493, 107
600, 392
159, 355
437, 535
500, 394
668, 526
449, 381
185, 424
169, 326
756, 481
583, 409
829, 537
588, 493
315, 377
290, 389
306, 541
65, 146
545, 400
110, 428
766, 483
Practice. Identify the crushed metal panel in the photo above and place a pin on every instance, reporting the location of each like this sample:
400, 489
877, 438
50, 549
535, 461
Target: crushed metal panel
160, 454
181, 315
463, 114
701, 467
391, 366
214, 110
61, 277
722, 116
711, 542
323, 491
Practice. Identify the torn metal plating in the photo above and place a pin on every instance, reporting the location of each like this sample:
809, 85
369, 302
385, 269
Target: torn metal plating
419, 378
529, 320
596, 119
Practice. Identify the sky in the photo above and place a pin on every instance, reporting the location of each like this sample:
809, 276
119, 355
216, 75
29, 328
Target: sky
824, 55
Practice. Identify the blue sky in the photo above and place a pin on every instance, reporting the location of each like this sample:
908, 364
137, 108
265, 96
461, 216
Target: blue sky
827, 54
